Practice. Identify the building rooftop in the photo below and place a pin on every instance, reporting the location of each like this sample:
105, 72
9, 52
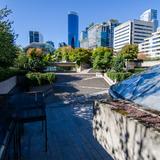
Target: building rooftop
73, 12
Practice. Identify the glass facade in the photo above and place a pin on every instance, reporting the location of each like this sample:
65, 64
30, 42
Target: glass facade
46, 47
99, 35
73, 24
151, 16
35, 36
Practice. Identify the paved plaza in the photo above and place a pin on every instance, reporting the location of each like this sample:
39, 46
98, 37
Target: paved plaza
69, 118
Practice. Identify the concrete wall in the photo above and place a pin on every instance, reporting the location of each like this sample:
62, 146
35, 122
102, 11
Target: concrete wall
124, 138
150, 63
7, 85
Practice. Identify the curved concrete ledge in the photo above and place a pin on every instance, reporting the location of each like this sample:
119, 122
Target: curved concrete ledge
125, 138
7, 85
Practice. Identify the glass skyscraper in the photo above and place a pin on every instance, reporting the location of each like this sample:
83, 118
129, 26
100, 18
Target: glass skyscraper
35, 36
99, 35
73, 25
151, 16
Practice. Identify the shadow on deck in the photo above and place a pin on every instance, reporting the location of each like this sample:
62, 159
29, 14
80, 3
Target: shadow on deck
70, 134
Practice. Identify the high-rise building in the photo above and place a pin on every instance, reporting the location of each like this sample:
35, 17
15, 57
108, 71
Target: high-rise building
131, 32
151, 46
46, 47
35, 36
105, 33
92, 36
150, 15
62, 44
84, 39
99, 35
50, 45
73, 27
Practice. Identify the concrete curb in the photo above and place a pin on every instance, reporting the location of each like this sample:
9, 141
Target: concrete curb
106, 78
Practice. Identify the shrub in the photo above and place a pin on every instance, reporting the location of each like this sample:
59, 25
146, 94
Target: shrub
118, 76
118, 63
40, 78
137, 70
37, 60
9, 72
21, 61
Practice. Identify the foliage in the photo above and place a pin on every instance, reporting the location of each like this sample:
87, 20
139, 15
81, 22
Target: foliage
33, 60
58, 55
7, 37
129, 51
40, 78
118, 63
137, 70
36, 59
81, 56
66, 51
102, 58
21, 61
118, 76
34, 53
62, 53
78, 55
6, 73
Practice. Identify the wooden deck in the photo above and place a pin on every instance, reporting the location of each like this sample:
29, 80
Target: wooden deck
69, 131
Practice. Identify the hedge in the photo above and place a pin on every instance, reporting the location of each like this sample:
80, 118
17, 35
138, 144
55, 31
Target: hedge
137, 70
37, 78
118, 76
6, 73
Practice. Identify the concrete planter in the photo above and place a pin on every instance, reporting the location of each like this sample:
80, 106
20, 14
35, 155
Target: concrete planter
7, 85
150, 63
108, 80
123, 137
82, 67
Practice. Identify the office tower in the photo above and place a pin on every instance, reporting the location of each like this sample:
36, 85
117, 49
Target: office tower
51, 43
99, 35
150, 15
73, 25
62, 44
84, 39
112, 23
131, 32
92, 35
35, 36
50, 46
151, 46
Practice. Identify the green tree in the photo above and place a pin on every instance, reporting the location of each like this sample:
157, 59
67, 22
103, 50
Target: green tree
81, 56
62, 53
58, 55
21, 61
130, 51
36, 59
118, 63
102, 58
8, 49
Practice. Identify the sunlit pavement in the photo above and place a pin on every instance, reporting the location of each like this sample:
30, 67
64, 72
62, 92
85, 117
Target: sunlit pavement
69, 117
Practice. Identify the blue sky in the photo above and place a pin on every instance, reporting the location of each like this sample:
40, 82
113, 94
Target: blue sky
50, 16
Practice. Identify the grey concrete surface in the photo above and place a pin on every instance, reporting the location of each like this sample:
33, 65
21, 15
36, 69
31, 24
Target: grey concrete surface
69, 117
124, 137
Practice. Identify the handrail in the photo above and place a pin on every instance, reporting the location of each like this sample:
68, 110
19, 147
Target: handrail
7, 140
